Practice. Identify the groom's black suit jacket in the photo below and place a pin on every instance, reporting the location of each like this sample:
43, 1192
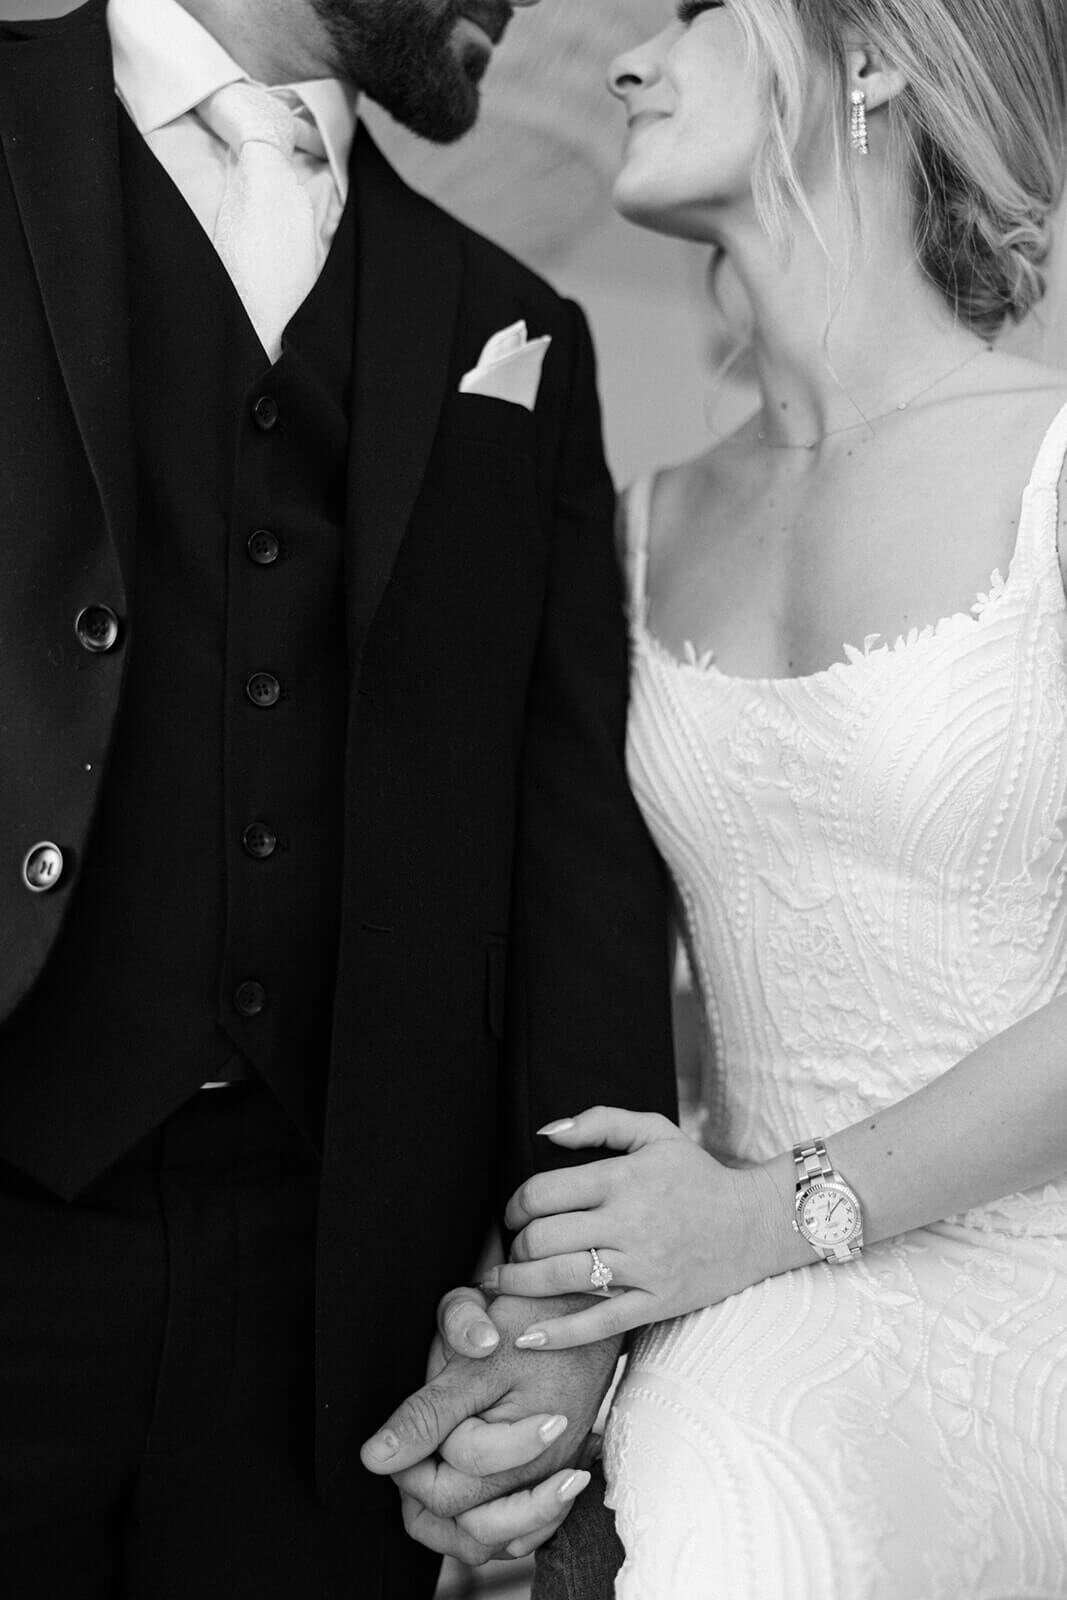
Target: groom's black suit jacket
502, 957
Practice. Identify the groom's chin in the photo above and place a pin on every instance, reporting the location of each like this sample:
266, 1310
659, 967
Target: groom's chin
443, 106
461, 99
437, 129
450, 114
472, 48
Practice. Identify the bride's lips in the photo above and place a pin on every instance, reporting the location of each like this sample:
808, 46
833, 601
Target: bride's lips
644, 119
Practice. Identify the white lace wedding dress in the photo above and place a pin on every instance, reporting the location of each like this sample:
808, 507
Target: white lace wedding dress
871, 870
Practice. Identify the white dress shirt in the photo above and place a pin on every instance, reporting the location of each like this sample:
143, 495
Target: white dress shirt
166, 63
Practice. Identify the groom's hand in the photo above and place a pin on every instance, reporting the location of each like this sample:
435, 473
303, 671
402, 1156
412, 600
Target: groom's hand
483, 1454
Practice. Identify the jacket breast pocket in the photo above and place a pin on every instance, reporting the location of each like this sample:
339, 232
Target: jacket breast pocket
484, 418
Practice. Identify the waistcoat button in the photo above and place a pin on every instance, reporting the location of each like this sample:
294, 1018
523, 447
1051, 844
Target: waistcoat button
266, 413
43, 867
97, 629
264, 547
263, 689
250, 998
260, 840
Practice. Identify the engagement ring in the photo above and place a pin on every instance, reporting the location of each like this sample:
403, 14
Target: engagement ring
601, 1275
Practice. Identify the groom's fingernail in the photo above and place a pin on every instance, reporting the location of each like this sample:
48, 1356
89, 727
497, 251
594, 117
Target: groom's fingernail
383, 1446
557, 1127
571, 1487
532, 1339
491, 1282
483, 1336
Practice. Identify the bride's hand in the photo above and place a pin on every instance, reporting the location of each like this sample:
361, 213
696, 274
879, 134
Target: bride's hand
676, 1228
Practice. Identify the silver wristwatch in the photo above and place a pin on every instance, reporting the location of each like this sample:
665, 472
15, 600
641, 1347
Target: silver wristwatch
826, 1212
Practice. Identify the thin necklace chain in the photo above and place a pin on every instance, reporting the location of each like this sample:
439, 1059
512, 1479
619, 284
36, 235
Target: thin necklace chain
867, 422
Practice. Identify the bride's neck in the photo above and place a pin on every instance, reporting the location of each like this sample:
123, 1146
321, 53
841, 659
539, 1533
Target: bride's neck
844, 329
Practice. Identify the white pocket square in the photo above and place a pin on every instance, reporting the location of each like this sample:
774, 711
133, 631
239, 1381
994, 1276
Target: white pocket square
509, 368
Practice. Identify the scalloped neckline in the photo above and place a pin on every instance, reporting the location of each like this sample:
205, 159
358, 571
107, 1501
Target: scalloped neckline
875, 649
704, 664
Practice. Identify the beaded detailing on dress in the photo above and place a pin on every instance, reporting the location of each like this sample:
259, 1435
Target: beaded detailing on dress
871, 867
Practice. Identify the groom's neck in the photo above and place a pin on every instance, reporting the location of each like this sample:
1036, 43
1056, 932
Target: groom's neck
274, 41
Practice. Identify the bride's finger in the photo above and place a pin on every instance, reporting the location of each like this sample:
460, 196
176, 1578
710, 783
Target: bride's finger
562, 1274
563, 1235
631, 1309
479, 1448
546, 1194
610, 1127
535, 1512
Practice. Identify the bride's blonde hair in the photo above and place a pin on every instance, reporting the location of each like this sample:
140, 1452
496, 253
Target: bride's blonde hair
981, 127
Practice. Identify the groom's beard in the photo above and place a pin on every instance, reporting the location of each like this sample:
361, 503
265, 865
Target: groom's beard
403, 55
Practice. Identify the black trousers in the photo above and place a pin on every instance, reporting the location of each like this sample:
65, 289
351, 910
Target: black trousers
156, 1380
582, 1560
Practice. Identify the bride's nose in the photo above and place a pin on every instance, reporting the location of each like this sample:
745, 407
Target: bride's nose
636, 69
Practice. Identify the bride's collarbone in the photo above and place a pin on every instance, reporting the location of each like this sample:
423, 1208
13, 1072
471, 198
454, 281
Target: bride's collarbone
772, 572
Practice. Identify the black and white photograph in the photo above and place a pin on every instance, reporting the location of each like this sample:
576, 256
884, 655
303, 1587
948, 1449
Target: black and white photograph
533, 800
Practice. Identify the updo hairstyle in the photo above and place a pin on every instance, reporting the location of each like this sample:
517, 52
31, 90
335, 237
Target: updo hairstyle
981, 128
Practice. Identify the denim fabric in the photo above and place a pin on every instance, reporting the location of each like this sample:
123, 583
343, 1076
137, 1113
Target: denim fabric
580, 1562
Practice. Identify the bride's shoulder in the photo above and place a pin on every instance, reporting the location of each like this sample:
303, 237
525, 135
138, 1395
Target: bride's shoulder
1011, 369
1014, 404
1028, 402
660, 505
1020, 390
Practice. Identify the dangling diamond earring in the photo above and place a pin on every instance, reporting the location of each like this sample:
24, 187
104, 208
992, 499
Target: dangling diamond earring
858, 123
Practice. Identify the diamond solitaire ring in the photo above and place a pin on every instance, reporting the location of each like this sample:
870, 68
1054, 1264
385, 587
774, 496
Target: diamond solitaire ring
601, 1275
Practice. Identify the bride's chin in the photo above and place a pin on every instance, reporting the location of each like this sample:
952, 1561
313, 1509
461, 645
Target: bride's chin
636, 200
642, 205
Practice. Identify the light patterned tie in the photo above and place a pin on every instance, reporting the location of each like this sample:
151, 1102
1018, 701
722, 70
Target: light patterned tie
266, 231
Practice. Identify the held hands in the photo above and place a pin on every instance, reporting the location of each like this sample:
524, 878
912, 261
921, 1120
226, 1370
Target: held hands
677, 1228
484, 1452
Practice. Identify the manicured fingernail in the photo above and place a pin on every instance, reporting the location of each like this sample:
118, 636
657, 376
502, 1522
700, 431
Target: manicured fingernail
383, 1446
552, 1428
491, 1282
561, 1126
483, 1336
532, 1339
571, 1487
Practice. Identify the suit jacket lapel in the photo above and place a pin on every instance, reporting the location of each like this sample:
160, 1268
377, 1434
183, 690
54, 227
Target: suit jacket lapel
58, 118
407, 301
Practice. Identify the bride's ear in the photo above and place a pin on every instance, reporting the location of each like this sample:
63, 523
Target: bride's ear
869, 72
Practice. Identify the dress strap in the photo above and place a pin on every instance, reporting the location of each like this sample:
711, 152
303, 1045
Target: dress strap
1037, 542
636, 516
1048, 468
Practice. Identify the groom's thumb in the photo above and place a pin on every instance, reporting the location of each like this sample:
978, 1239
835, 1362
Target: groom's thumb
425, 1419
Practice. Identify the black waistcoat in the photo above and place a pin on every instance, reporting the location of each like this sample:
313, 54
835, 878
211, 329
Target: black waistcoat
203, 933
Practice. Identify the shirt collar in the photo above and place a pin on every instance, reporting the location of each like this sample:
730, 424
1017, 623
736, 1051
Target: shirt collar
166, 62
335, 108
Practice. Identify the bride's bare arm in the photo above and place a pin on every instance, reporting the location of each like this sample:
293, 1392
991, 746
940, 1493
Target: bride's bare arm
992, 1125
680, 1230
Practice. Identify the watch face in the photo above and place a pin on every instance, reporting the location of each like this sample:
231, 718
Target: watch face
828, 1215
